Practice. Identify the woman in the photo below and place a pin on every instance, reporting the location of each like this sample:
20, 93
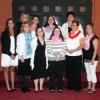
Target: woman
34, 25
66, 27
24, 51
8, 58
56, 49
74, 43
49, 26
39, 61
90, 57
23, 19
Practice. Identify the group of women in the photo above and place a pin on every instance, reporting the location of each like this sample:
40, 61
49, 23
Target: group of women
49, 51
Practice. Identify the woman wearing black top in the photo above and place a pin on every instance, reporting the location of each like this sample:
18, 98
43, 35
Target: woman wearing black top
90, 57
8, 57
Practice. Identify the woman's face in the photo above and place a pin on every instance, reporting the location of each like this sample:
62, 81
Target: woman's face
51, 20
70, 18
26, 27
40, 32
89, 29
74, 27
10, 24
35, 20
57, 32
24, 18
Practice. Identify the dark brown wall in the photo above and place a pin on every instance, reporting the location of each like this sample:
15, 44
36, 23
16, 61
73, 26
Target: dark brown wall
6, 11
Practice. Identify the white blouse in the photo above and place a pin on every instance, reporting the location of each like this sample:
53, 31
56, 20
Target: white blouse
12, 45
74, 43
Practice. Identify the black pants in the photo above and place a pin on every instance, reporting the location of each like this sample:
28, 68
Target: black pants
24, 80
56, 72
73, 71
24, 71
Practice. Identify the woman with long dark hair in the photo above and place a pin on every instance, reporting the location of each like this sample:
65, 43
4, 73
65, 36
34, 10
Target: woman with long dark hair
56, 49
39, 61
49, 26
8, 58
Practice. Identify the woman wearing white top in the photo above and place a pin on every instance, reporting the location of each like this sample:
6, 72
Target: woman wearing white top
24, 51
8, 58
74, 43
34, 25
66, 27
49, 26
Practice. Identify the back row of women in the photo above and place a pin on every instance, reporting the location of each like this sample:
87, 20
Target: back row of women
49, 51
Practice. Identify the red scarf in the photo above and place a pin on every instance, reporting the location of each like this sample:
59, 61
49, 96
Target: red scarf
74, 36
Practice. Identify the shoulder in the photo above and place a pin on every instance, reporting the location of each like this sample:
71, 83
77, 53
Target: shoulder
34, 40
94, 37
81, 35
65, 24
20, 35
4, 33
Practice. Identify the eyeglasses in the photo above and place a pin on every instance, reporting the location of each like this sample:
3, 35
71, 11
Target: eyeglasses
26, 26
73, 25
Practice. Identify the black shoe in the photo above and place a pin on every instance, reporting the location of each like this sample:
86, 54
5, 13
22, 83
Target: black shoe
41, 90
13, 89
9, 91
28, 90
23, 90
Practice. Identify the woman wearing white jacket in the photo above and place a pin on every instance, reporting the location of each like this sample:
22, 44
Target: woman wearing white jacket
39, 61
24, 51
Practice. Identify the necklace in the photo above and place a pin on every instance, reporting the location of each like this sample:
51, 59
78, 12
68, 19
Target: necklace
74, 36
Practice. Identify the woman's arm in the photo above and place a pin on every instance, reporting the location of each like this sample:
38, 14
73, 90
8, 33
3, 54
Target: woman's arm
79, 47
95, 45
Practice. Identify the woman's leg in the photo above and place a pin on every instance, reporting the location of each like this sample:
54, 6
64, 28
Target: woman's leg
88, 73
6, 77
36, 82
52, 76
12, 76
41, 84
93, 75
59, 75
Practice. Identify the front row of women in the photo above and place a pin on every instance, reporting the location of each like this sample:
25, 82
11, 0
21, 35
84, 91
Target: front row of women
39, 58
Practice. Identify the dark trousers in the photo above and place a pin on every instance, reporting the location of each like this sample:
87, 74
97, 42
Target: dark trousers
56, 72
24, 71
24, 80
73, 71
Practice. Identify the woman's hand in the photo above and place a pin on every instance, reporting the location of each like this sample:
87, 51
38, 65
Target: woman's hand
92, 62
72, 50
58, 57
12, 56
22, 59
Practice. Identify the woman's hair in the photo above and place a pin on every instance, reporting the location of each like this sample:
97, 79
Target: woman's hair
70, 13
76, 21
22, 26
6, 30
46, 24
38, 25
61, 36
90, 24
